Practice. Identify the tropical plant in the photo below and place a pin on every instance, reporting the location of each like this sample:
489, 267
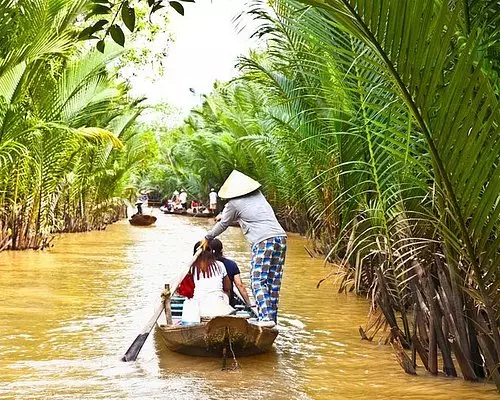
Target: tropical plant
63, 121
345, 118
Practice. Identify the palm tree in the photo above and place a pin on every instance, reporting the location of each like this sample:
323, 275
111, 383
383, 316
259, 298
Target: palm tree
62, 126
349, 111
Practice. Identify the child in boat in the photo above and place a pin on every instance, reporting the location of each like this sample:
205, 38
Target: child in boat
211, 284
233, 272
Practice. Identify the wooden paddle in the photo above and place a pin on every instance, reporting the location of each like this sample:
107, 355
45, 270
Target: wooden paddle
136, 346
239, 295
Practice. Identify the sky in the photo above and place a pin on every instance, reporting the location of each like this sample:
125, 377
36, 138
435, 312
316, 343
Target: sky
205, 47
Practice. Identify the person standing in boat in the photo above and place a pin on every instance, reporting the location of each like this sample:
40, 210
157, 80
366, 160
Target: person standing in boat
233, 272
248, 206
139, 208
212, 196
183, 199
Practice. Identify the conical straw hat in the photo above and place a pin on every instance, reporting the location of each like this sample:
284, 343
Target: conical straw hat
237, 184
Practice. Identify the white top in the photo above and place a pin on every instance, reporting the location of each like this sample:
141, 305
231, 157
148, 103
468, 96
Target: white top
208, 285
213, 197
183, 197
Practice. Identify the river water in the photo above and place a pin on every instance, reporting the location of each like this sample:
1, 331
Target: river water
70, 312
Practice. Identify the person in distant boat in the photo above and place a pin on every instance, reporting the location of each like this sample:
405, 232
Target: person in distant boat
248, 206
173, 200
212, 201
233, 272
195, 206
139, 208
183, 199
211, 284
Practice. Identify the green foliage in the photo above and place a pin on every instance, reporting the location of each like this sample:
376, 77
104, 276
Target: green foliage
375, 126
110, 13
65, 153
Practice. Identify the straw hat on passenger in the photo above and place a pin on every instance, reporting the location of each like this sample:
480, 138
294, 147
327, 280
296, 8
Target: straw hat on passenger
237, 184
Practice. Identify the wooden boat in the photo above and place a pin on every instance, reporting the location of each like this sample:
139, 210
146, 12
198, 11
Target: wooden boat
175, 212
200, 215
216, 336
142, 220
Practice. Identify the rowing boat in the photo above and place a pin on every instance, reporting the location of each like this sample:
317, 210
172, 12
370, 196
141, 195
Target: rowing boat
200, 214
142, 220
215, 336
175, 212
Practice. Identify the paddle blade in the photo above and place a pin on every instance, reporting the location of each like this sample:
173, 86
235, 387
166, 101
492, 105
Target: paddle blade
135, 347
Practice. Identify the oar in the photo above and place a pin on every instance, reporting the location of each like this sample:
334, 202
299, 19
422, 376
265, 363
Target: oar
136, 346
238, 294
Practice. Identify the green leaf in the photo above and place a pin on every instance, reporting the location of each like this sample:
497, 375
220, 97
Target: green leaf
90, 30
99, 24
188, 1
156, 7
117, 34
128, 16
177, 7
86, 33
100, 9
100, 45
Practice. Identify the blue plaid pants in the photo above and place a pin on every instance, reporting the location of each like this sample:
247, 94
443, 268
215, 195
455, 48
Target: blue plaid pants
266, 270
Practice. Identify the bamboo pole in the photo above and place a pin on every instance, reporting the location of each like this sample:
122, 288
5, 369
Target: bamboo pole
166, 304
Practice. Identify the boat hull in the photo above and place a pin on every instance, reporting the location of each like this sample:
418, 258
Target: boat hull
200, 215
210, 338
175, 212
142, 220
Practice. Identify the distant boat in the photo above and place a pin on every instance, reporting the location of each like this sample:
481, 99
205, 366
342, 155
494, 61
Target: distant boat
200, 214
176, 212
142, 220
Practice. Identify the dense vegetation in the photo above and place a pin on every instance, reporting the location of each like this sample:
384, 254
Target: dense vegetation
374, 127
65, 152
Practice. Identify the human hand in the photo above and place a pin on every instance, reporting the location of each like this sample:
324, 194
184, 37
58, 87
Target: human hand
252, 309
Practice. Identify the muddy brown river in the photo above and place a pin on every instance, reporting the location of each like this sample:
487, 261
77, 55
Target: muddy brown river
70, 312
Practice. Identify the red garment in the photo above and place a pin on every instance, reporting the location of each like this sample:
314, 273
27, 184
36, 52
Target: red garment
186, 287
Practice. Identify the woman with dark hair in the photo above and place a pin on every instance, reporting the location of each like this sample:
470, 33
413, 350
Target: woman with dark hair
233, 272
211, 284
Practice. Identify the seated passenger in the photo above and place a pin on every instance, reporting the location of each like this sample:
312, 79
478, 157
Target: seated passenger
233, 273
211, 284
194, 206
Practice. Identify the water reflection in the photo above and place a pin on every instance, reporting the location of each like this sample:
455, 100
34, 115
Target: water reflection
69, 313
